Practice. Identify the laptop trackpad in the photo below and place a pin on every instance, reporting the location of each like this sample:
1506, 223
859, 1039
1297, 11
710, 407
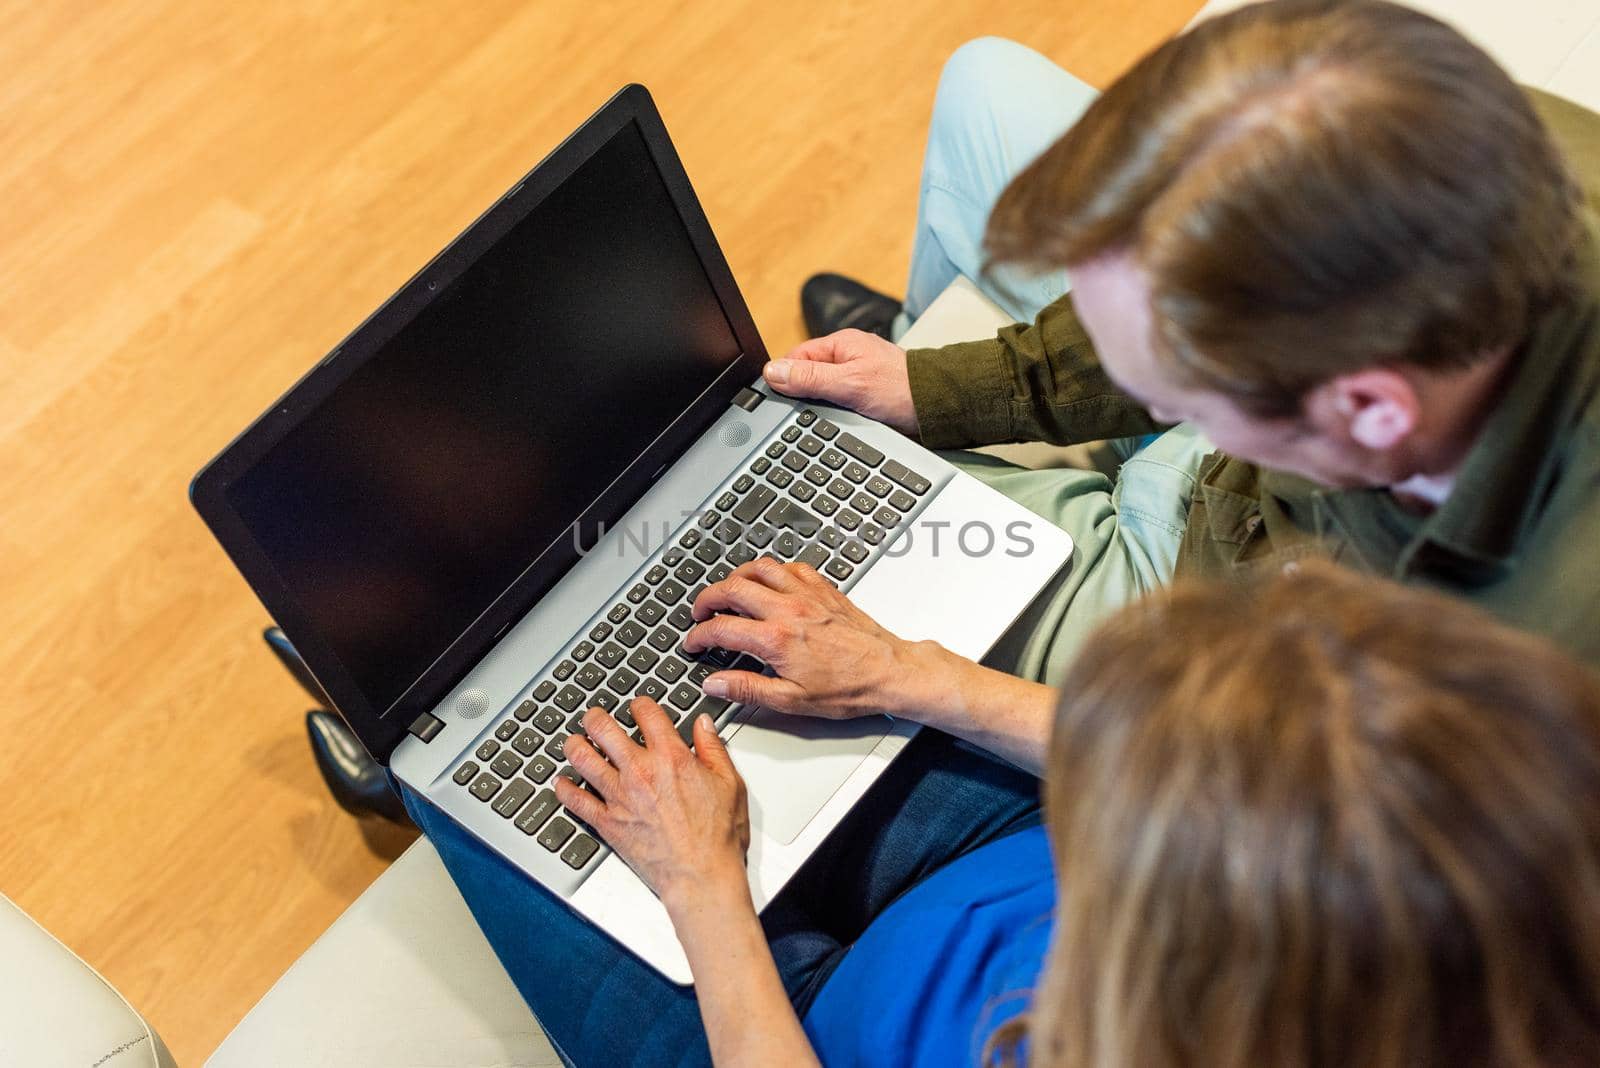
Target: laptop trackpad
793, 764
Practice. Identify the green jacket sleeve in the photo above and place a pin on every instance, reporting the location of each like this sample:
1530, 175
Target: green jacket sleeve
1029, 383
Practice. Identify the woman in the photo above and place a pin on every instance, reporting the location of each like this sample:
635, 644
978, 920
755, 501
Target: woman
1321, 821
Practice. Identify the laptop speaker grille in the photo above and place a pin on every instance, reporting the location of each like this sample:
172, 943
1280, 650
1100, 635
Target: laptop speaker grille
472, 704
734, 434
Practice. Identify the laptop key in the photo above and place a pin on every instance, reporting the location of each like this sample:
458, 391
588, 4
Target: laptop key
690, 539
812, 554
639, 592
854, 551
856, 472
791, 434
555, 836
847, 519
579, 852
650, 613
754, 504
653, 688
506, 731
630, 633
879, 486
548, 720
563, 671
526, 709
644, 658
886, 517
699, 672
758, 534
810, 445
743, 483
859, 449
528, 742
872, 534
488, 749
672, 557
839, 570
806, 417
539, 769
568, 698
670, 593
708, 552
655, 574
803, 491
817, 475
896, 471
464, 774
861, 502
825, 504
570, 773
610, 655
683, 696
589, 676
681, 617
506, 764
511, 798
833, 459
541, 808
708, 520
556, 747
622, 680
825, 430
617, 614
601, 631
718, 573
902, 500
662, 639
605, 699
689, 571
485, 786
780, 477
795, 461
624, 715
726, 501
760, 464
739, 554
776, 450
841, 489
671, 669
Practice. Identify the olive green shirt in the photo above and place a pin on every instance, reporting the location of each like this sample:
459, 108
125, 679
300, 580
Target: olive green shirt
1518, 535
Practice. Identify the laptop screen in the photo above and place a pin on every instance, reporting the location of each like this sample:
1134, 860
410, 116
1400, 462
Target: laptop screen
465, 450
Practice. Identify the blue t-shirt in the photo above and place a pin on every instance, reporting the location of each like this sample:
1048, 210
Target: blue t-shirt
945, 965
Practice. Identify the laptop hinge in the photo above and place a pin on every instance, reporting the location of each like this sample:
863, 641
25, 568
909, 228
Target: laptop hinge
748, 399
427, 726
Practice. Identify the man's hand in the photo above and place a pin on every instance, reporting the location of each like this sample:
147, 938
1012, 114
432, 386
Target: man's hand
853, 369
832, 660
680, 818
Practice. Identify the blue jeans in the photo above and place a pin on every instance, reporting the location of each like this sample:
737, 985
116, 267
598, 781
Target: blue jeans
998, 105
600, 1005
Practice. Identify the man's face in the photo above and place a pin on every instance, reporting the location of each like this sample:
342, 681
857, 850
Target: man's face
1112, 299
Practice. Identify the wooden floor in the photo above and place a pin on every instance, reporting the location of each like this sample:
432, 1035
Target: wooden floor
199, 200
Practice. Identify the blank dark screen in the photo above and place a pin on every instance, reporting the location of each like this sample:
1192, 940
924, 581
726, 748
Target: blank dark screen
405, 504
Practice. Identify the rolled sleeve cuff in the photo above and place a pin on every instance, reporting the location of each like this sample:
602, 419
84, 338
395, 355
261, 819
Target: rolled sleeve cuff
962, 394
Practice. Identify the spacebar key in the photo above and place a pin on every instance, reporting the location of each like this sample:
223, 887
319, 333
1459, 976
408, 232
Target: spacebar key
755, 503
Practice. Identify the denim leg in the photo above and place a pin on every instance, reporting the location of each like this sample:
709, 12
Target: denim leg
600, 1005
998, 106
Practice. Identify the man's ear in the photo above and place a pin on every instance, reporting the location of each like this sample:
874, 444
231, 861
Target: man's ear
1376, 409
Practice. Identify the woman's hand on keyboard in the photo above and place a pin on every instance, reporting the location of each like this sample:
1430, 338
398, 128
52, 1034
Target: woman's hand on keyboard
857, 370
833, 661
679, 817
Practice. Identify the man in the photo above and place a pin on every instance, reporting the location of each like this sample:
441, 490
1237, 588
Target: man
1333, 239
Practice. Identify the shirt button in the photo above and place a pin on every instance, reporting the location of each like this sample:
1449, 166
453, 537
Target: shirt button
1292, 567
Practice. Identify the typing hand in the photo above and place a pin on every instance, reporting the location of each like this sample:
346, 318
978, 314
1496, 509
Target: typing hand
832, 660
854, 369
679, 817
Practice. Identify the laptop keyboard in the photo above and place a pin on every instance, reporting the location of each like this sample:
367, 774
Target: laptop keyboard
816, 494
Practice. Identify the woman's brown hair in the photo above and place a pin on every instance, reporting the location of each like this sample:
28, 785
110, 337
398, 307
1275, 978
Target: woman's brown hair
1311, 187
1326, 822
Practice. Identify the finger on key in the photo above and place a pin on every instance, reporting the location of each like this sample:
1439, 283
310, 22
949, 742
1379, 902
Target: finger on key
608, 736
654, 725
736, 593
589, 763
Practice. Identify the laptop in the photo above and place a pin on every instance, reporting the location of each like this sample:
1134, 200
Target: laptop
491, 507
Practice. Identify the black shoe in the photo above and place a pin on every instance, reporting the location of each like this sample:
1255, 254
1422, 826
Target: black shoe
356, 781
830, 302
